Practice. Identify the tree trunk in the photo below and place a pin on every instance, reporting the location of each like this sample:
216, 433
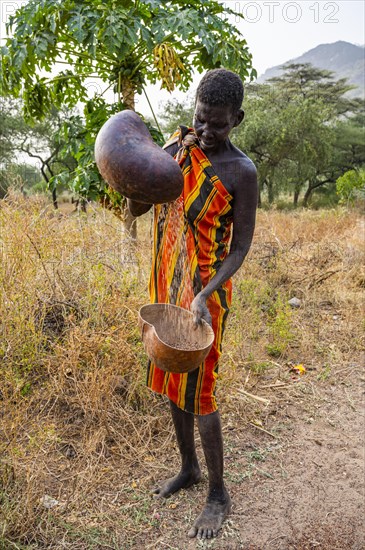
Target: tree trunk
259, 203
312, 185
128, 94
270, 191
54, 199
261, 187
54, 191
308, 194
296, 195
46, 179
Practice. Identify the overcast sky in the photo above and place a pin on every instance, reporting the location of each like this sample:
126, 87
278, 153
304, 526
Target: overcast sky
280, 30
276, 31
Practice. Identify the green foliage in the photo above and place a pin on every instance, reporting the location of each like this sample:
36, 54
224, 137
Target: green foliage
10, 123
324, 374
307, 81
113, 42
350, 141
350, 184
41, 141
292, 131
21, 177
176, 112
119, 44
259, 368
280, 327
300, 129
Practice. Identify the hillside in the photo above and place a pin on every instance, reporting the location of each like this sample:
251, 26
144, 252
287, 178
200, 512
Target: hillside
343, 58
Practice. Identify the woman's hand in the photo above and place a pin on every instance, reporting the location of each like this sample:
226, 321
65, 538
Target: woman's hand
200, 310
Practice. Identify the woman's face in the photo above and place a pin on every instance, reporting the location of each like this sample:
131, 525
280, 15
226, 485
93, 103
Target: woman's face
213, 124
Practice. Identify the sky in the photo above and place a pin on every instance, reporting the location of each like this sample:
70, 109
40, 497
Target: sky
276, 31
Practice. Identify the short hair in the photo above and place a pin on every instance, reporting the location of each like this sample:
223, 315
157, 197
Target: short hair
221, 87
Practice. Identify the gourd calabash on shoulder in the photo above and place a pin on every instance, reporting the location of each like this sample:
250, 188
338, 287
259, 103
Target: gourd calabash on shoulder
131, 163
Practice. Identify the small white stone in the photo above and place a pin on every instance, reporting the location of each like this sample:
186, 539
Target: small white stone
294, 302
49, 502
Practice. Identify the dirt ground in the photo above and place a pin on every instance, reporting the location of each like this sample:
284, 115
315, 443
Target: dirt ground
300, 486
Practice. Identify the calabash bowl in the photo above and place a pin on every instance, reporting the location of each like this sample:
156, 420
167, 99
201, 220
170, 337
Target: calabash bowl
171, 339
132, 164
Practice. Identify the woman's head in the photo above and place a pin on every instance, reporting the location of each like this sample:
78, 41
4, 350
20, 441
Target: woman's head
221, 87
217, 108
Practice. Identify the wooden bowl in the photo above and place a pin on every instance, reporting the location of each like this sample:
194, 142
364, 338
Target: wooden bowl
171, 339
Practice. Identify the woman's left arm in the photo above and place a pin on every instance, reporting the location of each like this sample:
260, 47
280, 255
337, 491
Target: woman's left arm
244, 215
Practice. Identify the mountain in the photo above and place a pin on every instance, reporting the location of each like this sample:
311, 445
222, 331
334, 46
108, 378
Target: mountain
344, 59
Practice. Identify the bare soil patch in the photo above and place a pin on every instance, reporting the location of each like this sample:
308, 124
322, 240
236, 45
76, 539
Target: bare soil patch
307, 489
300, 486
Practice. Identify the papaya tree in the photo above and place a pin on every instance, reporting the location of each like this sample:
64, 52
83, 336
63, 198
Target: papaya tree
54, 48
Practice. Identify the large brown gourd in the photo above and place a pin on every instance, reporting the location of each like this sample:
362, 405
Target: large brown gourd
131, 163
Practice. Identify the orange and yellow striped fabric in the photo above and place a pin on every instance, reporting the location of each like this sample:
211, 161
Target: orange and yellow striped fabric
190, 241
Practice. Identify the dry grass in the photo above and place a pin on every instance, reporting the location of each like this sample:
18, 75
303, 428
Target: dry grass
76, 421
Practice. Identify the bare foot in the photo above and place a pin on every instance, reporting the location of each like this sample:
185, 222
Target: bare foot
210, 520
183, 480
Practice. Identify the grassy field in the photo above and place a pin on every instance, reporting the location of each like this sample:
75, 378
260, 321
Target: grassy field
82, 440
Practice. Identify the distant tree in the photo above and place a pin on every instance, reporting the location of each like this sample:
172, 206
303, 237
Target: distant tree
350, 141
175, 112
19, 176
44, 141
309, 82
263, 135
292, 130
9, 124
40, 140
